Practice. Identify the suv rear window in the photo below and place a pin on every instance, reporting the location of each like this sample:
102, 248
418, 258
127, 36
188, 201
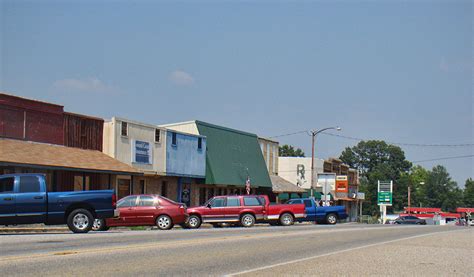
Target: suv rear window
233, 202
251, 201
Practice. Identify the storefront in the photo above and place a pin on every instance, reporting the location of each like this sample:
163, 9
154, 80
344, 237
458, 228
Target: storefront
172, 162
233, 159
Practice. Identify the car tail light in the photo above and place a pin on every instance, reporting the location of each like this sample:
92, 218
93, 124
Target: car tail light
114, 200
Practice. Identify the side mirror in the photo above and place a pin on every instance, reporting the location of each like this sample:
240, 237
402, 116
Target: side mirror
209, 205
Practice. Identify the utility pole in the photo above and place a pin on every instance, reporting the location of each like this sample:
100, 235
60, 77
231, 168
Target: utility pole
313, 136
409, 199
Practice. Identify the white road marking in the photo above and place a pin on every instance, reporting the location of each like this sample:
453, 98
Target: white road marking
334, 252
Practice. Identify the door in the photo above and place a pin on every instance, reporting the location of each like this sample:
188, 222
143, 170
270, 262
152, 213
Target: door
7, 200
146, 210
127, 207
215, 213
232, 209
255, 205
123, 188
30, 194
310, 208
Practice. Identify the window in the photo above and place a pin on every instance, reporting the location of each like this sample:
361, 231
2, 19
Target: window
262, 200
251, 201
157, 135
218, 202
29, 184
124, 129
294, 201
129, 201
233, 202
164, 188
146, 201
307, 203
6, 185
199, 143
173, 139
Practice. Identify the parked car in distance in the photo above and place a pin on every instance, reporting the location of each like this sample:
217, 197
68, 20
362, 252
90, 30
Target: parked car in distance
409, 219
315, 212
245, 210
145, 210
24, 199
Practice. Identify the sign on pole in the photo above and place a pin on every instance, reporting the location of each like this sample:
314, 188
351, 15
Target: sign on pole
384, 197
384, 193
327, 183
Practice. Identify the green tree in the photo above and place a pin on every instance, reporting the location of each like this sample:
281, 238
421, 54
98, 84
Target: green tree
469, 193
417, 182
377, 160
288, 151
441, 191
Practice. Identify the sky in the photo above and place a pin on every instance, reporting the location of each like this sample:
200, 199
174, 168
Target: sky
400, 71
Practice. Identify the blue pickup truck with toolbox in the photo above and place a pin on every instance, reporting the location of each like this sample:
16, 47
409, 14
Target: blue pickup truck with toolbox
320, 214
24, 199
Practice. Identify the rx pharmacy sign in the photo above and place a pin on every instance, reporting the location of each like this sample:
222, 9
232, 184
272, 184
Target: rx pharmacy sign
141, 152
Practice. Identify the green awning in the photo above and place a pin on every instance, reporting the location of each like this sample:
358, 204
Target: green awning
233, 155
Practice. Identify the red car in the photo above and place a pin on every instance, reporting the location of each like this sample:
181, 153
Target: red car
245, 210
145, 210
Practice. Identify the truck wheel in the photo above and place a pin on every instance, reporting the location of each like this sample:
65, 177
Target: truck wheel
194, 222
331, 219
247, 220
164, 222
99, 225
80, 221
286, 219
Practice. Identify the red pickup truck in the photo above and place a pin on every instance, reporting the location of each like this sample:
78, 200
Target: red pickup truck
244, 209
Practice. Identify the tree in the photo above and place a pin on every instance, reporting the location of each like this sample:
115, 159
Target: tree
469, 193
417, 182
442, 192
288, 151
377, 160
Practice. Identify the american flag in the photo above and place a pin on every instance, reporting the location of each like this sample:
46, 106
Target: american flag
247, 185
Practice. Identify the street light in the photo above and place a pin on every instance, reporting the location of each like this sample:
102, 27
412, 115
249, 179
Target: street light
409, 196
313, 135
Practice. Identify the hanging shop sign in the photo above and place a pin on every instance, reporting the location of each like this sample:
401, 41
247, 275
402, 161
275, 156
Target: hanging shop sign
141, 152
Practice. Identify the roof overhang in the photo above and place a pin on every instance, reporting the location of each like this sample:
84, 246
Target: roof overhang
57, 157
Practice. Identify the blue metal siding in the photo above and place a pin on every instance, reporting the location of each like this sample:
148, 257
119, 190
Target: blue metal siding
184, 158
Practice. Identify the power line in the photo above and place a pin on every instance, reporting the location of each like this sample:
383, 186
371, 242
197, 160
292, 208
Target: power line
405, 144
389, 142
445, 158
289, 134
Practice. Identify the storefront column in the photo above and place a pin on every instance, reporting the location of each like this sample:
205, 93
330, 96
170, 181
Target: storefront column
131, 184
83, 181
179, 189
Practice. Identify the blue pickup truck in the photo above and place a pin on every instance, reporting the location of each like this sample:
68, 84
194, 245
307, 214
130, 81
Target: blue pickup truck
315, 212
24, 200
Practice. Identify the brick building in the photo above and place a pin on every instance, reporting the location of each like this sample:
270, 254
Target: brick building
39, 127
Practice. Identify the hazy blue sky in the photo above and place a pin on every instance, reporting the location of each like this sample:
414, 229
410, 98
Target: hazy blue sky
392, 70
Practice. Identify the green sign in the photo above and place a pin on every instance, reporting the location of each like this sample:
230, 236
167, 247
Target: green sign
384, 197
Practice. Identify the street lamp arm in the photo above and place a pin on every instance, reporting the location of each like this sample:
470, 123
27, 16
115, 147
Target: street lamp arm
325, 129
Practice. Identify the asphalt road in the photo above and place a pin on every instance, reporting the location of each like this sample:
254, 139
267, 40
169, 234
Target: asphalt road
345, 249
